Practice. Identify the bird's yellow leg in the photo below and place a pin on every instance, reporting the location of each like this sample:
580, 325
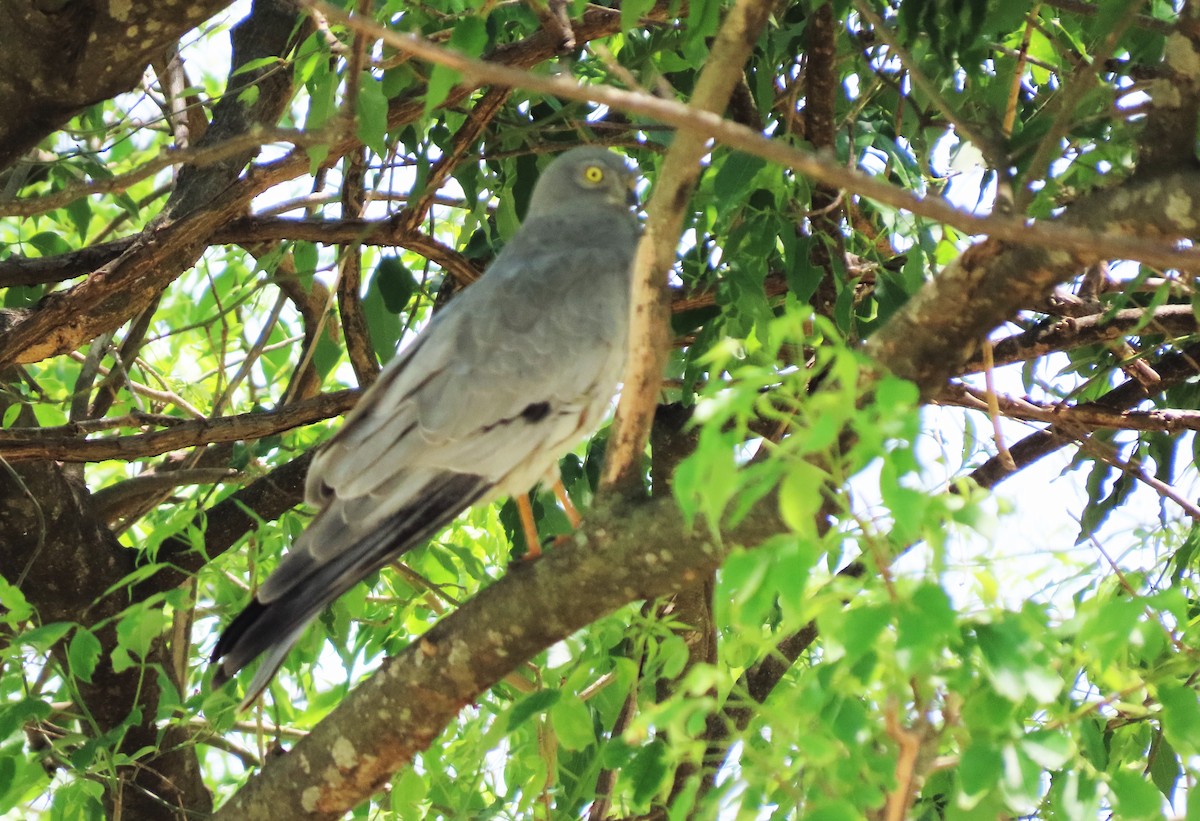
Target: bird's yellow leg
573, 516
533, 541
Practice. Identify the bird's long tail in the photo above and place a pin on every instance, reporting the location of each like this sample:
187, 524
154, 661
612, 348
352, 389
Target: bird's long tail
272, 627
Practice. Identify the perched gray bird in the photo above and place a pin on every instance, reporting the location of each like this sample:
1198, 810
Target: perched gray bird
513, 373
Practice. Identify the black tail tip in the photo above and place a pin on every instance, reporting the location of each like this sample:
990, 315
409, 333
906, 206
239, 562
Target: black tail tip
220, 678
230, 637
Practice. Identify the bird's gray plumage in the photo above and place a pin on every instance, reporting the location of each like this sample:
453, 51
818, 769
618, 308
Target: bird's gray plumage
498, 386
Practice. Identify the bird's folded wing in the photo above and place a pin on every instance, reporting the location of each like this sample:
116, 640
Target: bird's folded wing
496, 388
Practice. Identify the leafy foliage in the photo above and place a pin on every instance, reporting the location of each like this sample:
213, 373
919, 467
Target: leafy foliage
900, 646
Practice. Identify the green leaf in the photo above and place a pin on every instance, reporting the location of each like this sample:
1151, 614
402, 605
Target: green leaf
573, 723
470, 38
409, 792
1095, 747
305, 257
14, 608
533, 704
387, 295
833, 810
893, 395
800, 496
44, 637
83, 653
1013, 662
248, 96
1165, 767
139, 627
259, 62
979, 769
1108, 12
20, 712
372, 114
1134, 796
925, 625
80, 212
322, 96
1021, 781
803, 277
1180, 717
1050, 749
396, 283
648, 771
632, 12
49, 243
735, 176
396, 80
1100, 505
326, 355
1109, 624
859, 627
77, 799
22, 779
702, 20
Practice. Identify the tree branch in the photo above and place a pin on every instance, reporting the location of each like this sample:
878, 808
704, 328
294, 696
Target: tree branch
1173, 369
349, 231
1087, 242
1076, 332
107, 47
649, 342
64, 445
941, 325
1088, 416
622, 554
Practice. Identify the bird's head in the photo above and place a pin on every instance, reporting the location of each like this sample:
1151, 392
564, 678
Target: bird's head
589, 177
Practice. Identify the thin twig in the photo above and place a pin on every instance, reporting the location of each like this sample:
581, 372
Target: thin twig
168, 397
1086, 417
1105, 453
21, 443
993, 407
909, 743
1022, 57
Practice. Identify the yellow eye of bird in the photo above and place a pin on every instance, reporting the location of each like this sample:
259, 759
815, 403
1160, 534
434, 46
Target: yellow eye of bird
593, 173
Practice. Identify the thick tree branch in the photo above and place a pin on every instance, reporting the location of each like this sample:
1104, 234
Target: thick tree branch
820, 123
937, 330
18, 270
623, 554
131, 282
58, 58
